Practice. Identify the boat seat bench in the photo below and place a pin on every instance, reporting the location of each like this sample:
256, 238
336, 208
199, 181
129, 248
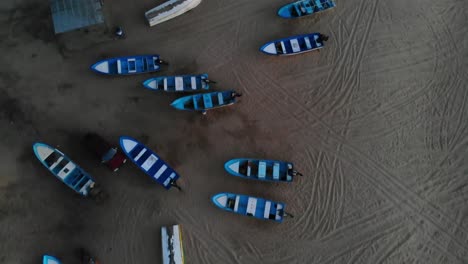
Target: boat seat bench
193, 82
220, 99
207, 101
179, 83
276, 171
319, 5
251, 206
261, 170
131, 65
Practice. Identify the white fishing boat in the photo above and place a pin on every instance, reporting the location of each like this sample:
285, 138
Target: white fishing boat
169, 10
171, 238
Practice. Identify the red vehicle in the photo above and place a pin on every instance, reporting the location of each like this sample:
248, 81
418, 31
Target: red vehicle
109, 155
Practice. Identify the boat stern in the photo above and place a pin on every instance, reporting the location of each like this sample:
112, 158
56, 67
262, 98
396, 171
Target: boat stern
279, 212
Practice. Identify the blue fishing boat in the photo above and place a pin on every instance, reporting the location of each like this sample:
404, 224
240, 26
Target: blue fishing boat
67, 171
128, 65
304, 8
251, 206
183, 83
46, 259
295, 44
207, 101
149, 162
266, 170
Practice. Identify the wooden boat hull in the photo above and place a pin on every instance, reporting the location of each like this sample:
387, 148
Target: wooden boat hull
169, 10
172, 249
64, 169
181, 83
250, 206
204, 102
46, 259
265, 170
127, 65
294, 45
149, 162
305, 8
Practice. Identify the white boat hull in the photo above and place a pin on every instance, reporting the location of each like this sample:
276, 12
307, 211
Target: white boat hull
172, 249
163, 12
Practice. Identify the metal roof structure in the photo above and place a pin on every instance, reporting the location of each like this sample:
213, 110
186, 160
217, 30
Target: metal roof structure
74, 14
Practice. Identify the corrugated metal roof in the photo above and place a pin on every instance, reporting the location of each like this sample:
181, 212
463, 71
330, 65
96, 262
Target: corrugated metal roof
73, 14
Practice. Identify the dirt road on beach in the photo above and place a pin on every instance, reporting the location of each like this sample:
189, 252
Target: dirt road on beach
377, 122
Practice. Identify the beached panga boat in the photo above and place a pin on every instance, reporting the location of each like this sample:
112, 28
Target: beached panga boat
149, 162
295, 44
46, 259
304, 8
169, 10
266, 170
182, 83
172, 249
250, 206
67, 171
128, 65
207, 101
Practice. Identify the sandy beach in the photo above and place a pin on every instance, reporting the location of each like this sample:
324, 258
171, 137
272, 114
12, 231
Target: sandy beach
377, 122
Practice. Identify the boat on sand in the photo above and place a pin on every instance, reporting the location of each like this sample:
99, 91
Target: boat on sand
169, 10
251, 206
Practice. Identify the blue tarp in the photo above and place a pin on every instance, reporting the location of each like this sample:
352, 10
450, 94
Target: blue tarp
73, 14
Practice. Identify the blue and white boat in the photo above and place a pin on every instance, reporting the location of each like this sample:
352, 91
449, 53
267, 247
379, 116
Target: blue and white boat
149, 162
182, 83
251, 206
206, 101
66, 170
266, 170
128, 65
295, 44
304, 8
46, 259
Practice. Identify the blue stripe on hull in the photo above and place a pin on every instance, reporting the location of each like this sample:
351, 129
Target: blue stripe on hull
305, 8
75, 178
206, 101
274, 170
275, 212
147, 163
127, 65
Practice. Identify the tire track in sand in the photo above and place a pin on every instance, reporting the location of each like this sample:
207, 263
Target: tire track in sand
394, 190
203, 234
324, 206
398, 193
356, 241
387, 251
425, 216
328, 208
447, 42
346, 77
